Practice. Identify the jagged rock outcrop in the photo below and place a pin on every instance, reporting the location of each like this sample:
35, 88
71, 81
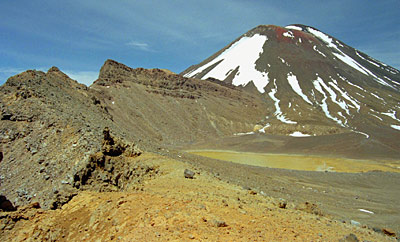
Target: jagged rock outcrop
114, 168
5, 204
48, 124
8, 220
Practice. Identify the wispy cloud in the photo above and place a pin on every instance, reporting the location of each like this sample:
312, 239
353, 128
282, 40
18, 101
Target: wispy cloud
84, 77
139, 45
85, 33
7, 72
10, 70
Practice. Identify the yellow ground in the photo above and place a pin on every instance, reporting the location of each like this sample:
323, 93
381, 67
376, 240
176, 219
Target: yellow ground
173, 208
300, 162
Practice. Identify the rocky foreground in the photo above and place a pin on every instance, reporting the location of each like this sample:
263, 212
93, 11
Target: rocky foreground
179, 205
123, 194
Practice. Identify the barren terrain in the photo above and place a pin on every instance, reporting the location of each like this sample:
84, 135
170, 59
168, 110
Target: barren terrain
107, 162
174, 208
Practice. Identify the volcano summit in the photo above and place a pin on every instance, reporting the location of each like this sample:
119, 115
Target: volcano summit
309, 77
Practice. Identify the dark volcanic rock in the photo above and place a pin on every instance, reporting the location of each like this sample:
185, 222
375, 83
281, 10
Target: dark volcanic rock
188, 174
114, 168
9, 219
349, 238
310, 208
62, 197
46, 117
389, 232
282, 204
110, 146
5, 204
168, 109
219, 223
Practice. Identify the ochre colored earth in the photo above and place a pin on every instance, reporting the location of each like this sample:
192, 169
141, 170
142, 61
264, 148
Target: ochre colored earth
300, 162
174, 208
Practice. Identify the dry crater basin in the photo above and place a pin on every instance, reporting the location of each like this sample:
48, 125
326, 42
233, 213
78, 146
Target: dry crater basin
300, 162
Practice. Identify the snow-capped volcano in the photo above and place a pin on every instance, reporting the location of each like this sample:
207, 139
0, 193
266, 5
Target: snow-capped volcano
309, 77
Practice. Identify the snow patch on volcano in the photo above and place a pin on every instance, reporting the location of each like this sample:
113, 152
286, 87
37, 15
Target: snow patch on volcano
262, 130
349, 61
292, 79
278, 113
373, 63
345, 95
333, 96
378, 97
243, 55
395, 126
322, 37
241, 134
376, 116
318, 51
288, 34
294, 27
345, 58
350, 83
396, 83
299, 134
283, 61
362, 133
392, 114
318, 84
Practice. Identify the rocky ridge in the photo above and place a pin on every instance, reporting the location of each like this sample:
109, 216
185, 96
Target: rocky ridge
50, 124
183, 109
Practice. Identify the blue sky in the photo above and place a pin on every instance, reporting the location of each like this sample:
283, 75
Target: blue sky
78, 36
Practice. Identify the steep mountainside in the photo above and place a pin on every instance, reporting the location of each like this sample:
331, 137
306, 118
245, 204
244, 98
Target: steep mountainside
51, 125
171, 109
310, 78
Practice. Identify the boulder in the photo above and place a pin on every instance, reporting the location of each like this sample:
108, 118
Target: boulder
389, 232
188, 174
6, 205
110, 146
349, 238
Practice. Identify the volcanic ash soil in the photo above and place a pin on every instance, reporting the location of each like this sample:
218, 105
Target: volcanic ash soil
174, 208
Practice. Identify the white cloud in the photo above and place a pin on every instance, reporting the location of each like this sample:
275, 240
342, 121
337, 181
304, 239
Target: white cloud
10, 71
139, 45
7, 72
84, 77
189, 30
